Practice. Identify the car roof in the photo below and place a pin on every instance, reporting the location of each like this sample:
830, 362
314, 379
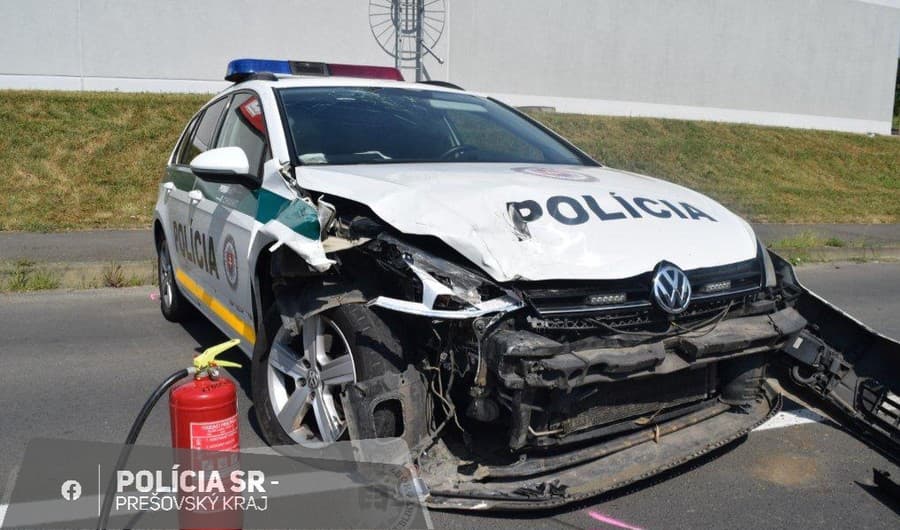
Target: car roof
293, 81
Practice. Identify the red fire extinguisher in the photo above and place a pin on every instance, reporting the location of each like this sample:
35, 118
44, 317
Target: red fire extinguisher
203, 414
203, 409
204, 418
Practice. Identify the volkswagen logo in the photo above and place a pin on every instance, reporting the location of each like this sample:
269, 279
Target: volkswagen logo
671, 288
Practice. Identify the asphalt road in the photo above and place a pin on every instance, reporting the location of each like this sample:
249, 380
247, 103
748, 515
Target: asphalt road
78, 365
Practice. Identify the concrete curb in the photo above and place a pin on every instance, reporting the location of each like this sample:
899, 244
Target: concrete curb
98, 274
825, 254
80, 259
31, 276
880, 235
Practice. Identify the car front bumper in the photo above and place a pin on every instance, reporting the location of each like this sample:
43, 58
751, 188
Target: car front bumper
528, 484
668, 402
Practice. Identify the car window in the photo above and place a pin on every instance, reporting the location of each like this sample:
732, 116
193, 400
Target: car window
181, 152
245, 127
368, 125
202, 140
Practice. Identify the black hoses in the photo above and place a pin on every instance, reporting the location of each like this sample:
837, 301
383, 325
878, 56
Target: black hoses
132, 438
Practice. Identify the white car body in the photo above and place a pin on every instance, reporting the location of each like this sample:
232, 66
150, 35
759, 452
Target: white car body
466, 206
546, 288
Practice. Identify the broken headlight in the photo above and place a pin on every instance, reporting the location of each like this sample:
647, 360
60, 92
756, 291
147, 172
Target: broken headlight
441, 284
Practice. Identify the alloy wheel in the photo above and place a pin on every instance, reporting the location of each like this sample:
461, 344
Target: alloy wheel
305, 376
166, 276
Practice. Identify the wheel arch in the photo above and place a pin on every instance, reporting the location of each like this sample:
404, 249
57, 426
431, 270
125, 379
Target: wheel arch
261, 286
158, 232
270, 278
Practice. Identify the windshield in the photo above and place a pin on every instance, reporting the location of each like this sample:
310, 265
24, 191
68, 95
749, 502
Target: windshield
363, 125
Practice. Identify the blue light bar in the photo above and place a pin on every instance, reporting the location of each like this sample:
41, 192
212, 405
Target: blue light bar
240, 69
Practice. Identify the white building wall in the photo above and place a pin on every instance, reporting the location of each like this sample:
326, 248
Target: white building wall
174, 45
827, 64
809, 63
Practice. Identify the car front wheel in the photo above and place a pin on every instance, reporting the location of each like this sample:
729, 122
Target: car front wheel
298, 377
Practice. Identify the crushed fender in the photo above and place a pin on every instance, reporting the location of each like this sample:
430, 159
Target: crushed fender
297, 227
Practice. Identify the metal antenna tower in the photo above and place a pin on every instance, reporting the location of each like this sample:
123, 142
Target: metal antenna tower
408, 30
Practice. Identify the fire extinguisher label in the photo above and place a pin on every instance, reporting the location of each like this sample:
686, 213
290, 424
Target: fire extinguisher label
219, 435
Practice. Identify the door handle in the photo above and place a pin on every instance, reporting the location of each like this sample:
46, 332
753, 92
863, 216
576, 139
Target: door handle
195, 196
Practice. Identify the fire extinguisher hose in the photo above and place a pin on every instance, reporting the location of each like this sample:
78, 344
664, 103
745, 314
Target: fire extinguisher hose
201, 364
132, 438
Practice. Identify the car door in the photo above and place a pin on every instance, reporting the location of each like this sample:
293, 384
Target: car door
177, 184
226, 213
192, 264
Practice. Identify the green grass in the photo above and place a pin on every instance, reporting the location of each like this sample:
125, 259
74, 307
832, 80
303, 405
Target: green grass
808, 247
25, 275
114, 275
806, 240
767, 174
85, 160
94, 160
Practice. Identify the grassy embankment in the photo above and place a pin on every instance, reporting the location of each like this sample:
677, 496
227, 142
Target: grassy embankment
93, 160
85, 160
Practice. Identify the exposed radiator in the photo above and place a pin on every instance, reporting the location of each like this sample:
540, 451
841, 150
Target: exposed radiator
608, 403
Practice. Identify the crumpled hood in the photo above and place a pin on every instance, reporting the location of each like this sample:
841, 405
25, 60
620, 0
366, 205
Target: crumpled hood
585, 223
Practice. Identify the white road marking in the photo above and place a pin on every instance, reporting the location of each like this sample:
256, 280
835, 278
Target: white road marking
7, 493
790, 418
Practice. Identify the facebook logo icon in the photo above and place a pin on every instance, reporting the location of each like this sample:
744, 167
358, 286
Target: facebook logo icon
71, 490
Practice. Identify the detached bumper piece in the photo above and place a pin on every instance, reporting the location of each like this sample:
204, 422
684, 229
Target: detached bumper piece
569, 477
853, 370
564, 393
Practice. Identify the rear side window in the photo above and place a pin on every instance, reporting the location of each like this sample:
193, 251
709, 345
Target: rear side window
202, 140
245, 127
181, 152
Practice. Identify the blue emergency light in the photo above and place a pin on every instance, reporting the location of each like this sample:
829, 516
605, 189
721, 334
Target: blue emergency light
242, 69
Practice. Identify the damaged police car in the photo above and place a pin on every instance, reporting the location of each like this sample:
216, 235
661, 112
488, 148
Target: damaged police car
412, 260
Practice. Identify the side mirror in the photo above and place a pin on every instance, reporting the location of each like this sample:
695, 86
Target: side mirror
227, 165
